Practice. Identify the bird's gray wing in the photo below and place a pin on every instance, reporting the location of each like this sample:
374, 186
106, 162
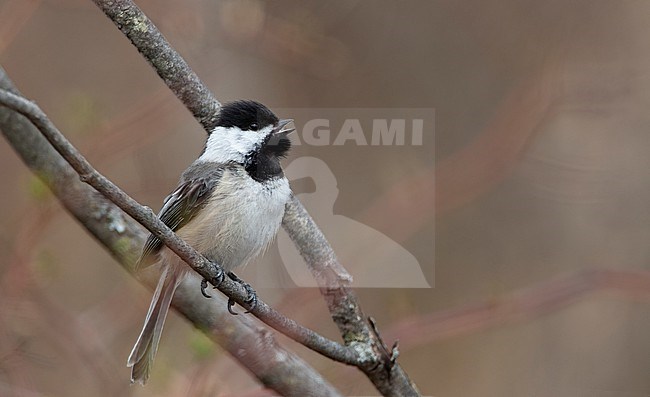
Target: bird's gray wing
178, 209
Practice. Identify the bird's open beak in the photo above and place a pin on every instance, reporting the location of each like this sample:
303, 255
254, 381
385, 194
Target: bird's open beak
279, 128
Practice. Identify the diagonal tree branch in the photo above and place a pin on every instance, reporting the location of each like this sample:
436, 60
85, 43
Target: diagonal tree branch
276, 367
387, 376
146, 217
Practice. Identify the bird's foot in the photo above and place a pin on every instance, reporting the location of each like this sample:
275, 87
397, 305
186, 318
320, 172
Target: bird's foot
216, 281
251, 299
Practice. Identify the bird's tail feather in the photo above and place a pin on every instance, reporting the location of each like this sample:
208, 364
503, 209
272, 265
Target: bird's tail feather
141, 357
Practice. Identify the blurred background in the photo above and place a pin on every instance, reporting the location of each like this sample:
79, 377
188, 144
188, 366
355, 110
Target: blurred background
539, 206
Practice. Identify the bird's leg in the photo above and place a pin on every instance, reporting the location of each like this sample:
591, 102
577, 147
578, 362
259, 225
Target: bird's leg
252, 295
216, 281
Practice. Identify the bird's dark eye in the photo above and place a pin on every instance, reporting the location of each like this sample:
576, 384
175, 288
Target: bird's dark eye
254, 127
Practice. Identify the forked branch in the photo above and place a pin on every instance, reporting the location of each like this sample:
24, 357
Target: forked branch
387, 376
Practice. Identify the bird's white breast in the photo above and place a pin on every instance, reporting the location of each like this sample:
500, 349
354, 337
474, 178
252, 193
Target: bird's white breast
239, 220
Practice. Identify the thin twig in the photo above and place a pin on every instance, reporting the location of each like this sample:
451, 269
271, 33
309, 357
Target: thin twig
254, 347
525, 303
146, 217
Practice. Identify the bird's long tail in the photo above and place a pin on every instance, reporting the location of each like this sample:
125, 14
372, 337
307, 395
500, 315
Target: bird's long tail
141, 357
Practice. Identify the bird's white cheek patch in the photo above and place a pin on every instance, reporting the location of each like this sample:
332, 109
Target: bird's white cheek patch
231, 144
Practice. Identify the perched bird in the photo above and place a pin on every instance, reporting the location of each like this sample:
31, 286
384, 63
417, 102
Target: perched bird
228, 206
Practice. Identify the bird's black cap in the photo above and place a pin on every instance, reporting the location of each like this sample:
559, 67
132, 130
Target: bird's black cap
246, 115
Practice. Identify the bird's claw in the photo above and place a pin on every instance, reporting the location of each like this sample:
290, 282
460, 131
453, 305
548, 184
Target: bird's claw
204, 285
251, 298
216, 281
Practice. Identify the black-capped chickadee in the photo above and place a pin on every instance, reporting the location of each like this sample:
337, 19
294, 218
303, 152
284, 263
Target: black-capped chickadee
228, 205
